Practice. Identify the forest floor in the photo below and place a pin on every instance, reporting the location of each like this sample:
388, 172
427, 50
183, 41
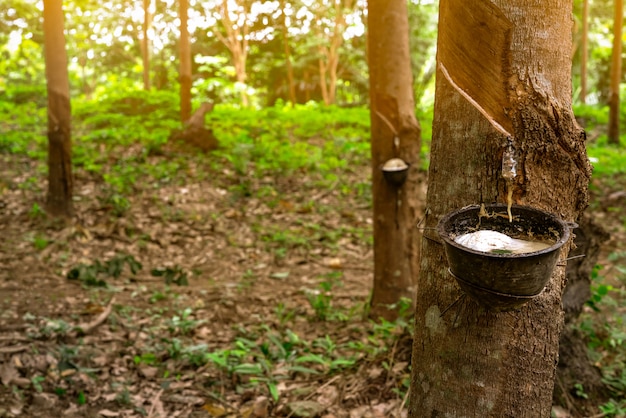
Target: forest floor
213, 296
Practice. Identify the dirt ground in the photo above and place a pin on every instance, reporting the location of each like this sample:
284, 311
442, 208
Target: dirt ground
69, 349
252, 255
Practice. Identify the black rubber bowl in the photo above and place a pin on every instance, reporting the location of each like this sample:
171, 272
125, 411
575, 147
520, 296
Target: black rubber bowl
503, 281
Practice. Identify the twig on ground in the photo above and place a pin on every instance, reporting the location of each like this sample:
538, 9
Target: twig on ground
14, 349
155, 400
91, 326
401, 407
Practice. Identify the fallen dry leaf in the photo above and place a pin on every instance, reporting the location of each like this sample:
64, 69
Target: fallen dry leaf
8, 373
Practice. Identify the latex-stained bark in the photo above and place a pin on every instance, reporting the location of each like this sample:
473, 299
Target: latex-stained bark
468, 362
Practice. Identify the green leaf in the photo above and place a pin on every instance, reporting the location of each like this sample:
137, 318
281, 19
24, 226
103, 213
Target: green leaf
248, 368
302, 369
312, 358
271, 386
280, 275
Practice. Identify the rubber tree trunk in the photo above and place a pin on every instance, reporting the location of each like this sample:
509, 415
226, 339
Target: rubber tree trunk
60, 182
185, 63
584, 53
395, 134
467, 361
287, 50
616, 72
145, 45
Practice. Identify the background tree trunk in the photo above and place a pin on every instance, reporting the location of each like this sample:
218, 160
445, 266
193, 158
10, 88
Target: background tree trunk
60, 182
285, 33
236, 40
468, 361
185, 64
575, 367
395, 134
145, 45
584, 53
329, 45
616, 72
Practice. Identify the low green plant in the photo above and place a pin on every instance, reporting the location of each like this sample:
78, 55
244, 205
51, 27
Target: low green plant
614, 408
321, 298
149, 359
171, 275
36, 381
183, 323
580, 391
40, 242
36, 211
96, 274
157, 296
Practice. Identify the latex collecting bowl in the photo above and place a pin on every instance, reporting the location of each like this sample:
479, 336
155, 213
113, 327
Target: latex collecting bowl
500, 280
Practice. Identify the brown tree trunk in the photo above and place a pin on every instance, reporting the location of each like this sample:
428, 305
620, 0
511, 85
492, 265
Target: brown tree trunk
290, 81
616, 72
584, 53
575, 367
236, 40
185, 64
328, 50
145, 45
395, 134
60, 181
323, 85
194, 131
468, 361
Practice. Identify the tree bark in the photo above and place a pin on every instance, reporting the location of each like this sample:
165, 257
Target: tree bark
285, 32
328, 50
145, 45
60, 181
468, 361
395, 134
575, 367
584, 53
185, 63
194, 131
236, 40
616, 72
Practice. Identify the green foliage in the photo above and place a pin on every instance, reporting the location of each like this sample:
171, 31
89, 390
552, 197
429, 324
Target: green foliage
183, 323
171, 275
608, 160
96, 273
321, 298
605, 333
277, 140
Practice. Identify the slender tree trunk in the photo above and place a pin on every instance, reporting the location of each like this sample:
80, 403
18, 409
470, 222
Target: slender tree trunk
323, 85
60, 181
616, 72
469, 362
584, 52
285, 32
145, 42
395, 134
242, 76
185, 64
329, 50
332, 78
236, 40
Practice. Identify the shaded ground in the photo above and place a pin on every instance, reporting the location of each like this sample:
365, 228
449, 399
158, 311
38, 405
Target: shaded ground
278, 274
270, 322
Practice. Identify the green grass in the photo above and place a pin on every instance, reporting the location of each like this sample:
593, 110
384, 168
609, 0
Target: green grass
607, 159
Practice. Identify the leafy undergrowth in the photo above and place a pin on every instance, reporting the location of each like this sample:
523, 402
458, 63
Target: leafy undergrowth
230, 284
